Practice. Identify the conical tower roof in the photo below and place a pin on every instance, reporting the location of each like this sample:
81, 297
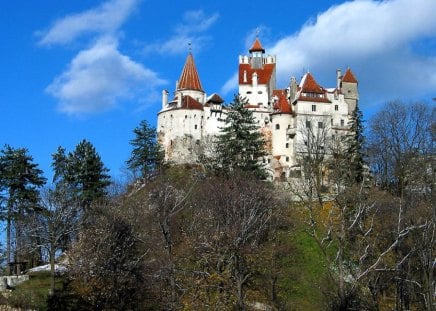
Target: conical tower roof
257, 47
189, 79
349, 77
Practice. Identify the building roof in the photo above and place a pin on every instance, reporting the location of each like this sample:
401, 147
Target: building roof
263, 74
308, 84
257, 47
282, 105
311, 91
189, 79
214, 98
349, 77
190, 103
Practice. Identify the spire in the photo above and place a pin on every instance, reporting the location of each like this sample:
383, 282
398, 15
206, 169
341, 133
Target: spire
349, 76
189, 79
257, 47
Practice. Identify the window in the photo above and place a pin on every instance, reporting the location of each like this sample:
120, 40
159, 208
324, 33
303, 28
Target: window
331, 122
277, 126
287, 159
313, 107
320, 125
342, 122
195, 127
186, 116
287, 145
248, 92
336, 107
307, 124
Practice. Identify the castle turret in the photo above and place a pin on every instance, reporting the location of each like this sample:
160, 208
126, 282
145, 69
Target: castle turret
189, 82
257, 52
349, 89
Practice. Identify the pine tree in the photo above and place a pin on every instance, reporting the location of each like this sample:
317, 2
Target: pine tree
355, 142
20, 179
240, 145
147, 154
81, 172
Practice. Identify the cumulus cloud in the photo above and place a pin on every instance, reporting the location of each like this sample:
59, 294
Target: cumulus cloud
377, 39
106, 18
97, 78
100, 76
191, 30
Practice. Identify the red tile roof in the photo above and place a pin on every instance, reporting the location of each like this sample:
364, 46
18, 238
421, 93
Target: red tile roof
263, 74
190, 103
257, 47
282, 105
309, 85
349, 77
189, 79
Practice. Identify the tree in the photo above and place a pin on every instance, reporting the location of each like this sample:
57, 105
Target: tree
20, 179
147, 154
355, 144
106, 266
231, 220
80, 174
240, 145
54, 225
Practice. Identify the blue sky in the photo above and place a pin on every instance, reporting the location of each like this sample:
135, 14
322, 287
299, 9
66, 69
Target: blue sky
95, 69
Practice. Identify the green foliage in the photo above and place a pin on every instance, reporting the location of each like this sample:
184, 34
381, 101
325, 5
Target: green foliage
81, 172
241, 145
20, 179
147, 154
355, 143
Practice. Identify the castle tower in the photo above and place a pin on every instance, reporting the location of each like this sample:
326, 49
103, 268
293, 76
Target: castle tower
189, 82
180, 122
349, 85
257, 76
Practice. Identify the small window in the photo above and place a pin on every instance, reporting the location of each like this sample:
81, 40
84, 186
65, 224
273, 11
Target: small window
195, 126
287, 145
336, 107
307, 124
313, 107
269, 160
186, 116
248, 92
320, 125
331, 121
342, 122
277, 126
287, 159
259, 92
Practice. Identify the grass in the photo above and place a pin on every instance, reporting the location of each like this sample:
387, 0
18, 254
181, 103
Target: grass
33, 294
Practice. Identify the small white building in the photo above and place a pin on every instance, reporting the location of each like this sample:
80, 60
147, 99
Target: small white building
188, 122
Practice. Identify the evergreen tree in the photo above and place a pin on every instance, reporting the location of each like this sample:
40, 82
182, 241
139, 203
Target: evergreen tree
147, 154
240, 145
355, 141
81, 172
20, 179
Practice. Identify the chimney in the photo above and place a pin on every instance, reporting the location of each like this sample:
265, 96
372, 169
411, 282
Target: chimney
164, 99
338, 78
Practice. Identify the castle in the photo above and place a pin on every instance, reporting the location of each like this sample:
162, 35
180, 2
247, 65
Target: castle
188, 122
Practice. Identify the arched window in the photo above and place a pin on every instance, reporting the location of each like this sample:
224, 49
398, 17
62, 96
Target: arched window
277, 126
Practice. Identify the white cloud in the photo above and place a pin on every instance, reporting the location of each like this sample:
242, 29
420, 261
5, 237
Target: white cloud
191, 30
99, 77
104, 19
375, 38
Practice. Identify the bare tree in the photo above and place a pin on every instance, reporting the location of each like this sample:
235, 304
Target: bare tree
57, 222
